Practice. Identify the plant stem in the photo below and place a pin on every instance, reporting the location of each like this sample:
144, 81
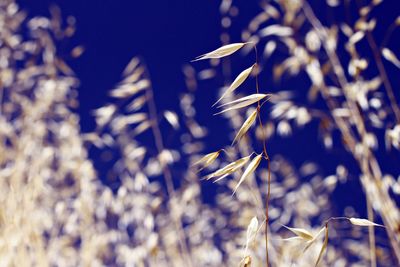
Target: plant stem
381, 68
266, 157
371, 234
167, 175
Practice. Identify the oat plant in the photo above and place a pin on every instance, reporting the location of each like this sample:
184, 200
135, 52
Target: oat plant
347, 95
259, 99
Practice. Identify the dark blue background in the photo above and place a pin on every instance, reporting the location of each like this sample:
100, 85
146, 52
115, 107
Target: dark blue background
165, 33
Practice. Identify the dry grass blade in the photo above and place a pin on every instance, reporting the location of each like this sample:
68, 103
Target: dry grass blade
236, 83
323, 248
301, 233
391, 57
246, 126
244, 102
223, 51
230, 168
249, 170
363, 222
207, 159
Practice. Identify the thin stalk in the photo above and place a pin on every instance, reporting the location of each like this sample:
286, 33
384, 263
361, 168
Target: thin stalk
226, 68
371, 234
388, 34
167, 174
381, 68
266, 157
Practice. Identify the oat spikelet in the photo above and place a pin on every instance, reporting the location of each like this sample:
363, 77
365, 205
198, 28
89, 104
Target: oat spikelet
172, 119
236, 83
301, 233
363, 222
249, 170
244, 102
207, 159
246, 126
142, 127
391, 57
228, 169
277, 30
223, 51
251, 233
